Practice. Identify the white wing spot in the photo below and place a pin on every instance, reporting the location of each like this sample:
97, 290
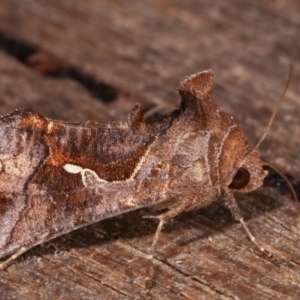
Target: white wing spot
74, 169
93, 173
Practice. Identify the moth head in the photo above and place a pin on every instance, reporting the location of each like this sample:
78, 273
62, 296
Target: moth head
234, 165
249, 174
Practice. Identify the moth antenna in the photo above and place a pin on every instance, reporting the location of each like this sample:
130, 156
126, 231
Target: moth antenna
264, 163
276, 108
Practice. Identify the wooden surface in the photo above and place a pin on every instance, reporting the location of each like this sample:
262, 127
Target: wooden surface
139, 51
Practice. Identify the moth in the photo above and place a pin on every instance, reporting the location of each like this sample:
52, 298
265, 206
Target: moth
58, 176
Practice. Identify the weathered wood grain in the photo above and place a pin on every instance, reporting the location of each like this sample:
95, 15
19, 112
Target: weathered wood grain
144, 49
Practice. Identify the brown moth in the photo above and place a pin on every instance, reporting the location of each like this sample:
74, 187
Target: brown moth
58, 176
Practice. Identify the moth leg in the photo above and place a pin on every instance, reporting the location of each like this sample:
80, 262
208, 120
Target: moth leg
7, 262
163, 218
232, 205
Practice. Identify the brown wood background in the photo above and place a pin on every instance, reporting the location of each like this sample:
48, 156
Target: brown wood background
123, 52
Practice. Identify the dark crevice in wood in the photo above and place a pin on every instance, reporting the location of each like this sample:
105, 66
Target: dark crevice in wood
15, 48
161, 259
96, 279
217, 290
51, 66
107, 285
213, 287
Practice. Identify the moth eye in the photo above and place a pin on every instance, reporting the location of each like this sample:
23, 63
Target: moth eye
240, 179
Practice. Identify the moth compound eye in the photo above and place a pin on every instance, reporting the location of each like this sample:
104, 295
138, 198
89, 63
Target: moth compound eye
240, 179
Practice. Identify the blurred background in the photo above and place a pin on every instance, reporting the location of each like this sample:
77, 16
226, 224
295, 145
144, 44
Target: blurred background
79, 60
